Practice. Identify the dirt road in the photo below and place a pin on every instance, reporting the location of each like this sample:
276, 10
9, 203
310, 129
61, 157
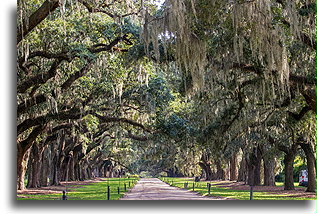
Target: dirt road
155, 189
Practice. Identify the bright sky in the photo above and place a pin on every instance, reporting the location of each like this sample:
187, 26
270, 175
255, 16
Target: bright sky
159, 2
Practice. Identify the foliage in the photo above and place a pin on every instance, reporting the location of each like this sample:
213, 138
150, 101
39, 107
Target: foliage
156, 88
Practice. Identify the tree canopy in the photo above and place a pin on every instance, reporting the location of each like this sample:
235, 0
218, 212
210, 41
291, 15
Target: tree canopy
124, 86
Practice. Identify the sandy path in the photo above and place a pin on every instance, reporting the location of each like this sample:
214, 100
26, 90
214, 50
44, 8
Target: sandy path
155, 189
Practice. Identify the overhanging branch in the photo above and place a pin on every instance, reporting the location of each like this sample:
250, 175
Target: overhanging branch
36, 18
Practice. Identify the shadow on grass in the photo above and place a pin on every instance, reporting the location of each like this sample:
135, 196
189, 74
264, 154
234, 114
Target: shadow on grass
201, 188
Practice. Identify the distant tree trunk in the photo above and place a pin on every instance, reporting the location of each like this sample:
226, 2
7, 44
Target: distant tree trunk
220, 171
252, 162
76, 167
51, 165
77, 171
289, 158
250, 177
89, 165
77, 154
289, 170
67, 168
233, 167
84, 170
242, 176
107, 170
29, 172
101, 170
35, 166
311, 166
55, 178
45, 168
205, 166
172, 172
58, 160
71, 167
269, 176
257, 169
227, 172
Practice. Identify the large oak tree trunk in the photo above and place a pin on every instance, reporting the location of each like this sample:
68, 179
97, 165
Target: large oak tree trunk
250, 173
58, 160
289, 157
205, 166
311, 166
35, 166
289, 171
269, 176
251, 162
22, 160
220, 171
77, 154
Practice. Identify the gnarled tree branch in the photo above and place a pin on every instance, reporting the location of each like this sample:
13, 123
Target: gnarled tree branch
36, 18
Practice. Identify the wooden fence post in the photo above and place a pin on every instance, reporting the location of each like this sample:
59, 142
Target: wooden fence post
108, 193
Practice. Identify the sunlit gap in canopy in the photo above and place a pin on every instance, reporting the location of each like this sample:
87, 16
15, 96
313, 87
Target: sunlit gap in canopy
167, 35
158, 3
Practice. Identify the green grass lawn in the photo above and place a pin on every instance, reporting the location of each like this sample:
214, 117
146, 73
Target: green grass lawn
93, 191
281, 184
201, 188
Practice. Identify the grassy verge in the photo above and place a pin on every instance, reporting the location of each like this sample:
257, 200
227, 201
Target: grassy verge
93, 191
201, 188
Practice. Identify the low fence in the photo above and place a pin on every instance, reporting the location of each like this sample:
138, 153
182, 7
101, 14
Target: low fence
198, 184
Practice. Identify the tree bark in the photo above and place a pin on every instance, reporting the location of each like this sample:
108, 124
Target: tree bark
251, 162
242, 176
23, 147
28, 172
220, 171
58, 160
290, 153
289, 170
55, 172
22, 160
35, 163
205, 166
269, 176
45, 168
250, 172
71, 167
36, 18
257, 169
311, 166
76, 166
233, 167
